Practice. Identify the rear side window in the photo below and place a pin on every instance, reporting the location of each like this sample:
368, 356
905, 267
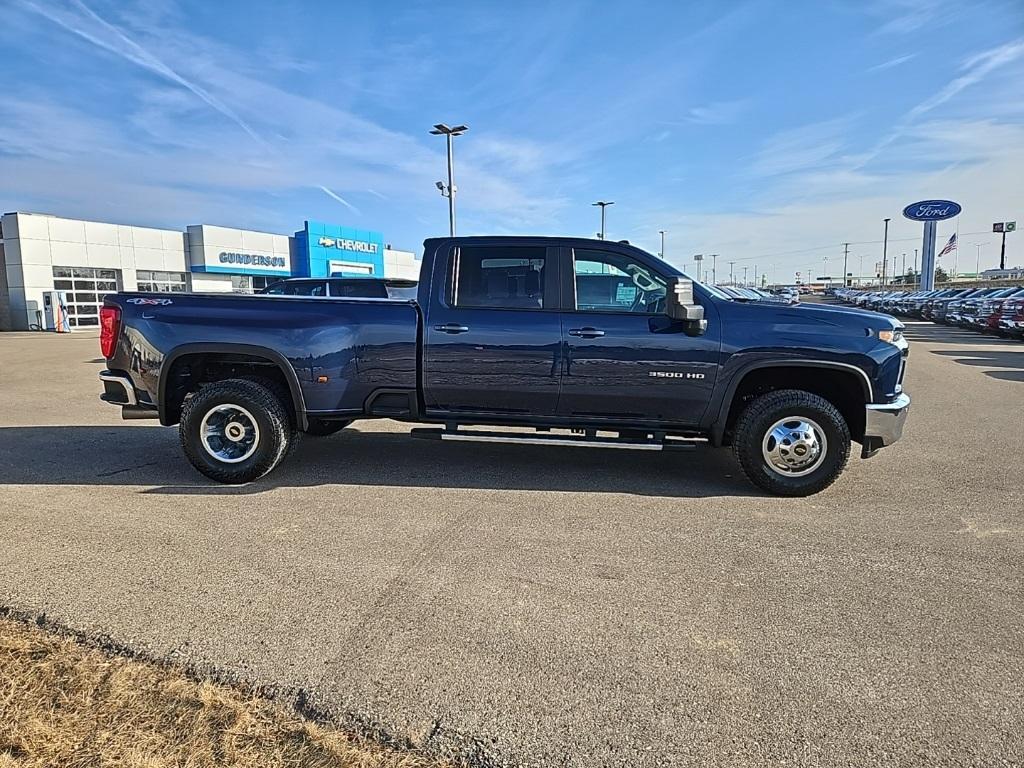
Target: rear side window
359, 288
310, 288
502, 277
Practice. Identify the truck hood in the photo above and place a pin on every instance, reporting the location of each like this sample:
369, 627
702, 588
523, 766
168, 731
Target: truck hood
829, 314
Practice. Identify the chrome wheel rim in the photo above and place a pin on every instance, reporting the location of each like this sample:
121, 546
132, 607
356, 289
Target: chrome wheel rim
794, 446
229, 433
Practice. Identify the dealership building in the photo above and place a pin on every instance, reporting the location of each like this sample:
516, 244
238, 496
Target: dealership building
88, 259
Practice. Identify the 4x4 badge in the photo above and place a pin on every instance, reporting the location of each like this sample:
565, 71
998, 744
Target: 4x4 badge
154, 302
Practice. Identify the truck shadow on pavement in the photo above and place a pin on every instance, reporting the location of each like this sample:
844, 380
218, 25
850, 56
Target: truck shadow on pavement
151, 456
974, 349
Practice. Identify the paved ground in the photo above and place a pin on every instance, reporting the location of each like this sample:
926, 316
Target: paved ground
562, 607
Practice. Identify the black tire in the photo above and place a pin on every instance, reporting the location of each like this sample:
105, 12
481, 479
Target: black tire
270, 440
323, 427
750, 440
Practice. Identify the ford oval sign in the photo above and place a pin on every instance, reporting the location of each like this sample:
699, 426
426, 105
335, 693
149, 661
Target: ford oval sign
932, 210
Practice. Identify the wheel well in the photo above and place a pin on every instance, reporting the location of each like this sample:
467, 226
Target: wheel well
841, 388
190, 371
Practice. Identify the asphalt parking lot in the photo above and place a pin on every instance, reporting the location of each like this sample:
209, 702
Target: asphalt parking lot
554, 607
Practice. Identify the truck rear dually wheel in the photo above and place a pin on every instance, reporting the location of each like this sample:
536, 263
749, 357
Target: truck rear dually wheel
791, 443
234, 431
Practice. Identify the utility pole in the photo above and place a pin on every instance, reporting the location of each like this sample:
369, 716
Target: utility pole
846, 256
449, 191
662, 233
885, 252
603, 204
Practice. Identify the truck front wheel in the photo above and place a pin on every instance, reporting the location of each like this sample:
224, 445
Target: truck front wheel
234, 431
791, 443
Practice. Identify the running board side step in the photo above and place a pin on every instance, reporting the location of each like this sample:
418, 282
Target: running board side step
527, 438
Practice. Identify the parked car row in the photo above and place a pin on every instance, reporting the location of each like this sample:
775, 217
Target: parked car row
989, 310
783, 296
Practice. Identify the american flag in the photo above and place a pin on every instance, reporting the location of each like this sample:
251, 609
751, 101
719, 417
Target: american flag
950, 246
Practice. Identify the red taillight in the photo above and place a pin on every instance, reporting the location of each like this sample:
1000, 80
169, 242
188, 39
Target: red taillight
110, 326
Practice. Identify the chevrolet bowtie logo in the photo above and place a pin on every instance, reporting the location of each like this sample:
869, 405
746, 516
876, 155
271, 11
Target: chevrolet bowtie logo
327, 242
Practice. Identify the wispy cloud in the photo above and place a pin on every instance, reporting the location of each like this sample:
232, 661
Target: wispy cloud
339, 198
91, 27
903, 17
975, 69
892, 63
807, 147
717, 113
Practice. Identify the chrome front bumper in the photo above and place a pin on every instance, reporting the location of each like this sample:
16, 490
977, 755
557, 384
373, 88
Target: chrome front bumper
883, 422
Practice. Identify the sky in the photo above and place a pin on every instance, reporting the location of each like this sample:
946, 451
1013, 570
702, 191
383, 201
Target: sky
768, 132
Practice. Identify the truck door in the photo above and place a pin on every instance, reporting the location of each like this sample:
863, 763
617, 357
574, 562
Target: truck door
492, 331
625, 358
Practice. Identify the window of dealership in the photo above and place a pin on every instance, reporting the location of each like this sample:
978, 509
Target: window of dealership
85, 260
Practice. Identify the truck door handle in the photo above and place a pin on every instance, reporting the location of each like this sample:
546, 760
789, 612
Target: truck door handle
451, 328
586, 333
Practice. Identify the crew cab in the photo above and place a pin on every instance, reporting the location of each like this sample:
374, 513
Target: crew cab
551, 341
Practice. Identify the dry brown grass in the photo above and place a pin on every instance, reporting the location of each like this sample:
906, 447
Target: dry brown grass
64, 704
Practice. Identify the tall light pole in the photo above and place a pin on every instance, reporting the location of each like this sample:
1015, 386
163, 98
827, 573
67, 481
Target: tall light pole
860, 271
885, 251
744, 276
846, 257
917, 275
977, 269
603, 204
731, 280
662, 233
714, 263
449, 191
825, 273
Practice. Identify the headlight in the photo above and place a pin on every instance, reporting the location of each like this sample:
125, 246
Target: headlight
891, 336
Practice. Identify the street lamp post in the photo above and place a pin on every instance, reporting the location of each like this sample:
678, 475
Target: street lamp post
977, 268
885, 251
714, 263
603, 204
449, 133
662, 233
731, 280
744, 277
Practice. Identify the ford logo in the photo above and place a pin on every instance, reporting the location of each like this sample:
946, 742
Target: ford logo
932, 210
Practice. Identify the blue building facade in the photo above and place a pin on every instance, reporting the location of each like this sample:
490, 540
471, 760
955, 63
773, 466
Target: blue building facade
329, 250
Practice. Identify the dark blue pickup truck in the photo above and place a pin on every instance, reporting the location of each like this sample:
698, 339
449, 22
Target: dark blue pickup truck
566, 341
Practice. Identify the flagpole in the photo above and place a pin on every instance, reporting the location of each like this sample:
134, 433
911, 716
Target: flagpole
956, 251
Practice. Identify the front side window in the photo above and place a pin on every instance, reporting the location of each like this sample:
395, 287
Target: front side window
502, 277
613, 282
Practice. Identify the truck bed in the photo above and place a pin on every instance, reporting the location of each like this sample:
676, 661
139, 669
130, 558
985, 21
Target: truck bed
341, 351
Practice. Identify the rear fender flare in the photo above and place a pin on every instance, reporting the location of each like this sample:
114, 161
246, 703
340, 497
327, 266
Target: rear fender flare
251, 350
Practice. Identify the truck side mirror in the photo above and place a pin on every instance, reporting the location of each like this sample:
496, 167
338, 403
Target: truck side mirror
682, 307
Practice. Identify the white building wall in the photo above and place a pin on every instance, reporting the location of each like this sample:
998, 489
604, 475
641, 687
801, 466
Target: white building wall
401, 264
35, 243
